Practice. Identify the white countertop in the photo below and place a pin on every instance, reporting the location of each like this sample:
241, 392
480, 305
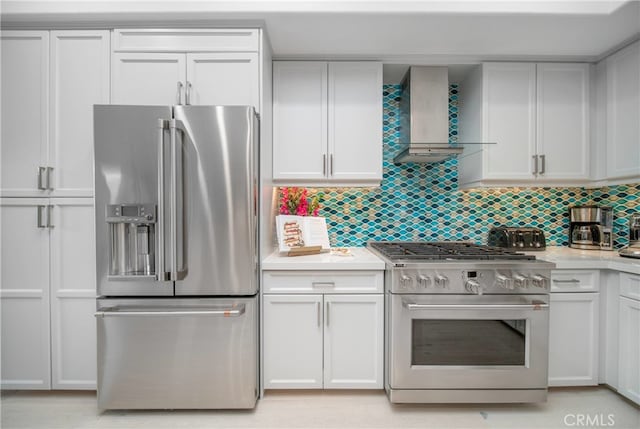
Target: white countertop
362, 259
359, 259
568, 258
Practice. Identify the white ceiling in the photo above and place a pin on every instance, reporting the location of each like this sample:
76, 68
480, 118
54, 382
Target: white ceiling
396, 32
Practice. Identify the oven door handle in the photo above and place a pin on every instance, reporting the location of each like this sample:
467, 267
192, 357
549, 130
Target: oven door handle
532, 306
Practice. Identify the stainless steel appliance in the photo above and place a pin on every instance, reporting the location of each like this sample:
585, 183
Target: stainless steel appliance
590, 227
516, 238
464, 323
177, 264
633, 249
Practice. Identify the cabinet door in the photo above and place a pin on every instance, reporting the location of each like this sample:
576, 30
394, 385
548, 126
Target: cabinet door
353, 341
73, 294
509, 120
223, 79
143, 78
300, 120
25, 106
562, 132
629, 349
24, 294
355, 121
79, 79
292, 341
623, 113
573, 339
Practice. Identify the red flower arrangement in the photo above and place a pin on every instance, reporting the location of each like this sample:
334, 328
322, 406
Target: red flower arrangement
296, 201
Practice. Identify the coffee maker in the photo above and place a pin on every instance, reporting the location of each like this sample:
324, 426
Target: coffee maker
633, 249
590, 227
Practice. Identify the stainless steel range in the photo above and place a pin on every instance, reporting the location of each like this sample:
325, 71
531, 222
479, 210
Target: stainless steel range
464, 323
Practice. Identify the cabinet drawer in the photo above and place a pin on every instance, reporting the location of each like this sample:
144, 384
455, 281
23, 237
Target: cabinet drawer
575, 281
210, 40
323, 281
630, 286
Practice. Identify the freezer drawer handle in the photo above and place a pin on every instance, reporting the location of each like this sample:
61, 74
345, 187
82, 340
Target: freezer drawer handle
225, 312
535, 305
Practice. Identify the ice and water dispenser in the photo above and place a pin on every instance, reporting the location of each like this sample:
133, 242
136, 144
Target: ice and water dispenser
132, 238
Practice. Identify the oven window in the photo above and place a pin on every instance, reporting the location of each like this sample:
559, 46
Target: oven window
468, 342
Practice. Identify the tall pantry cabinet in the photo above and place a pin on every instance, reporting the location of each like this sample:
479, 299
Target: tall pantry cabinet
50, 82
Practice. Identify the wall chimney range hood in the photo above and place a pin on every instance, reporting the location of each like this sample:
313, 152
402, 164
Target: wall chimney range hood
424, 116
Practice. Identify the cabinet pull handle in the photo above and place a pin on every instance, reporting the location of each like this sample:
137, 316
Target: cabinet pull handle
40, 217
324, 164
179, 93
41, 185
188, 94
542, 167
535, 164
327, 315
566, 281
318, 310
49, 216
49, 170
331, 164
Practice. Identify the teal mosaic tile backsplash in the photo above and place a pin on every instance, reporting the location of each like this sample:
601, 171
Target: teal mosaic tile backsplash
422, 201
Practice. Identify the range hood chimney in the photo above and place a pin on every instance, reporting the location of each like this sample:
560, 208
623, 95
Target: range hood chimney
424, 116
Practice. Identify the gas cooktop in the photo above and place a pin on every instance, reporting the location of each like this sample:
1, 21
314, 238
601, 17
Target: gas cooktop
443, 251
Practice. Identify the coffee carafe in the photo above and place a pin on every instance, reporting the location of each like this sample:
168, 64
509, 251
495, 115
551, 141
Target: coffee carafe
633, 249
590, 227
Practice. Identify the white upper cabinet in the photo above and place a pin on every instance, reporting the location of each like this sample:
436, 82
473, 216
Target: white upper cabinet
79, 79
623, 113
200, 67
355, 108
327, 127
229, 79
148, 78
535, 119
50, 82
562, 132
300, 120
25, 112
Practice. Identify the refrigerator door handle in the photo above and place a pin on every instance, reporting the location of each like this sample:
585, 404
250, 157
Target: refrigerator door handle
163, 124
176, 271
234, 311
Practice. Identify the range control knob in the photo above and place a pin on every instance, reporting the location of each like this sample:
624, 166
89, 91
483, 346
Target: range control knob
504, 281
521, 281
441, 281
473, 286
405, 281
540, 281
424, 281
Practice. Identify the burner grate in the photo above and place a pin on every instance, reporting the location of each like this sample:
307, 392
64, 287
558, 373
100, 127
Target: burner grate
443, 250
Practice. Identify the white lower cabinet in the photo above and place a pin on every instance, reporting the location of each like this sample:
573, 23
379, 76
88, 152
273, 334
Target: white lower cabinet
48, 293
330, 341
292, 341
629, 338
574, 328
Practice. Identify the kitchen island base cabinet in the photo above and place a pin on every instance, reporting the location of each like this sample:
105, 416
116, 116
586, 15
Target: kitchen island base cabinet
323, 341
573, 339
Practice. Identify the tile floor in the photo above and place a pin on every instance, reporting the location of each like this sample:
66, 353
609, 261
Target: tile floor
328, 409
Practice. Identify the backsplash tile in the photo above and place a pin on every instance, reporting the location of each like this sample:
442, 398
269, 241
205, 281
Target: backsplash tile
422, 201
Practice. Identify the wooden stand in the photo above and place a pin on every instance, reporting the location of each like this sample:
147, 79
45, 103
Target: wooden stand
301, 251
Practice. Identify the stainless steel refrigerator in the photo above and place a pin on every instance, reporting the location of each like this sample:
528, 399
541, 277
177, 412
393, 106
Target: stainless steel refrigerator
177, 262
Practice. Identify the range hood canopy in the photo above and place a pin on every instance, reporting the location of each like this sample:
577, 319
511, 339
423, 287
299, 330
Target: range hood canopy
424, 116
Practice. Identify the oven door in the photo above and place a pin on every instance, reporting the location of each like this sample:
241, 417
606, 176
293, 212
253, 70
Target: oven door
468, 341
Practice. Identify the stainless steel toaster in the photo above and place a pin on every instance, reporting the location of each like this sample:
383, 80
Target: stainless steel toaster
517, 238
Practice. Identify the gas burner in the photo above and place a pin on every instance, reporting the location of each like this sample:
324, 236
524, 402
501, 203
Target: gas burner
443, 251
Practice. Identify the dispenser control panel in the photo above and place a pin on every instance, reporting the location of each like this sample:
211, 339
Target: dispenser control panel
131, 213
